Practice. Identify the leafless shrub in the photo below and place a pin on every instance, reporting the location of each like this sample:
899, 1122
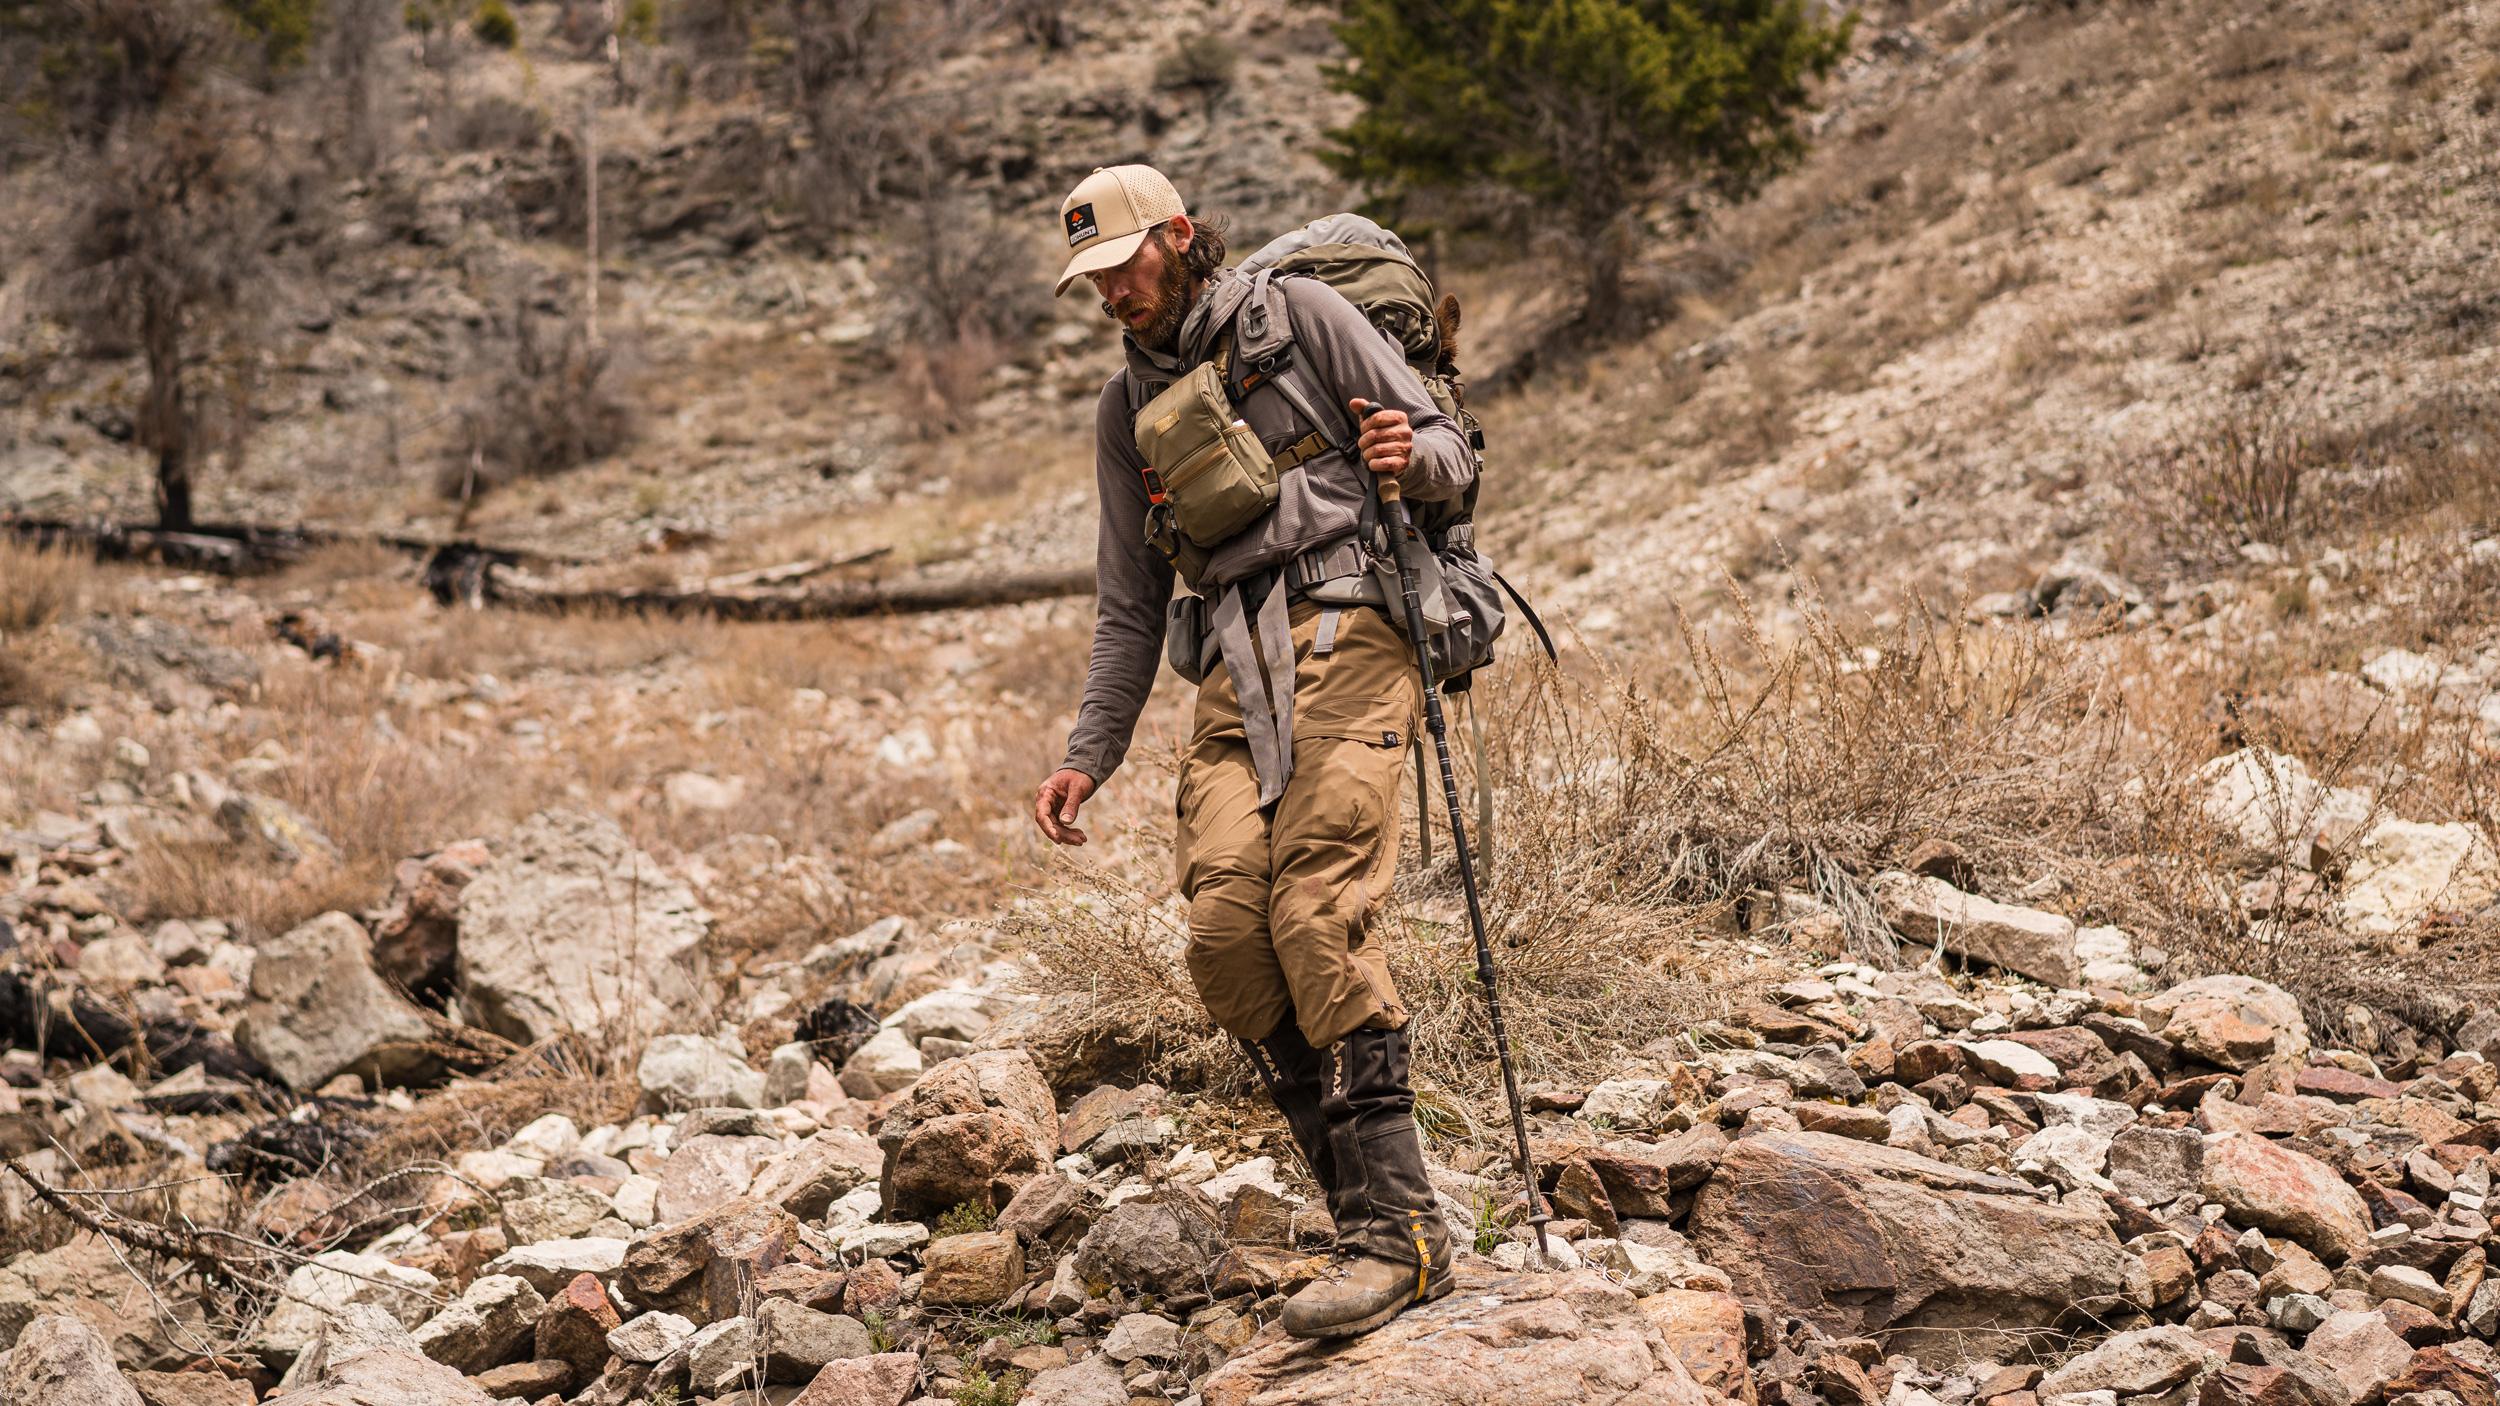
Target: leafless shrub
495, 123
967, 296
557, 403
843, 74
1043, 22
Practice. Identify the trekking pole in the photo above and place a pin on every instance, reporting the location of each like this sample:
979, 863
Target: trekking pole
1404, 542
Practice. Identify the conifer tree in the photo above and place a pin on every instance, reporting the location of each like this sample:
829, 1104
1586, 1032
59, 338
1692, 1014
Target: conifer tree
1580, 106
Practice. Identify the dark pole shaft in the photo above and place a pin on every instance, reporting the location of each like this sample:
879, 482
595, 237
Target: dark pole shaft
1402, 526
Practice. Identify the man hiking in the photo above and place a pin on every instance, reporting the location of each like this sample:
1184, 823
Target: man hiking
1228, 452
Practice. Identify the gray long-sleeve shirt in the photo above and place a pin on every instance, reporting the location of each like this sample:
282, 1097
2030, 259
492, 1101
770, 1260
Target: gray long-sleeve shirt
1345, 357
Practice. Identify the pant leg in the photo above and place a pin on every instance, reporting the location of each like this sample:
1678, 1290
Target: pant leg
1335, 830
1223, 852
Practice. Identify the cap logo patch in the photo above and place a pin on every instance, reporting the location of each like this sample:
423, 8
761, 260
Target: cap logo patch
1081, 226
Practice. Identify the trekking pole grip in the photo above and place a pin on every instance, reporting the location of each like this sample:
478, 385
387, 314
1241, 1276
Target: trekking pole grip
1390, 492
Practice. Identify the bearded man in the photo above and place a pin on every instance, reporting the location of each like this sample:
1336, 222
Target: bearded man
1261, 495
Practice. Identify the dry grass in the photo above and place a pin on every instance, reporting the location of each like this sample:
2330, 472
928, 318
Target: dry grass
379, 793
589, 1083
41, 585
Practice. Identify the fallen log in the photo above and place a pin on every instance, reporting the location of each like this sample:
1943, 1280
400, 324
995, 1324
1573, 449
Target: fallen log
238, 548
477, 583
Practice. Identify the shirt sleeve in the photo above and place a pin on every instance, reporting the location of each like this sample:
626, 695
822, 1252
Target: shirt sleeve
1348, 357
1132, 584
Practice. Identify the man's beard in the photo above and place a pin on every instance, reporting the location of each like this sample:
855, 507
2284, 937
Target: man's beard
1170, 305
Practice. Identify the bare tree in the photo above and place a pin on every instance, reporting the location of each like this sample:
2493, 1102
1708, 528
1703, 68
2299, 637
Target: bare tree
172, 185
357, 59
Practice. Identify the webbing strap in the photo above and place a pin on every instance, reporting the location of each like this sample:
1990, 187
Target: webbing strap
1266, 711
1325, 642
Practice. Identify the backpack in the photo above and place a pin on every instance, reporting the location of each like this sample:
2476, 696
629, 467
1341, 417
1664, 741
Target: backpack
1370, 267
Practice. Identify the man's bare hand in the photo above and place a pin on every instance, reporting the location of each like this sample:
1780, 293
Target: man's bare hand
1056, 804
1388, 442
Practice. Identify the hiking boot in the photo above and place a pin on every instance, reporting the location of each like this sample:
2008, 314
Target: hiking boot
1393, 1246
1360, 1295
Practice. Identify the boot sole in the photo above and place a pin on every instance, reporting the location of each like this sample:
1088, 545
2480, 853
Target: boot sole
1355, 1328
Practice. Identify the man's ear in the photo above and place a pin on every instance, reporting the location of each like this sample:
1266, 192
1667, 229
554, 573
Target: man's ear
1182, 232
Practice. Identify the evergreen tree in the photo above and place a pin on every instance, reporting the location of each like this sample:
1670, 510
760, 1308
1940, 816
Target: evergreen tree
1579, 105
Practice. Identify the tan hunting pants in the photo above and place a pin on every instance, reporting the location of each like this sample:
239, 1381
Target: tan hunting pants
1281, 899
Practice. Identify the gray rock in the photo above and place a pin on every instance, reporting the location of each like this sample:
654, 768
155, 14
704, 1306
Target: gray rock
318, 1010
799, 1341
60, 1361
679, 1072
810, 1177
2298, 1313
538, 1208
721, 1356
2133, 1364
1143, 1335
363, 1357
335, 1280
549, 1265
1092, 1382
2156, 1165
887, 1062
570, 928
487, 1326
649, 1337
1929, 912
1161, 1243
785, 1073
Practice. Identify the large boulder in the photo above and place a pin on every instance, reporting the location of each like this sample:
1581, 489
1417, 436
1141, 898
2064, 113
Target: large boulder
572, 928
2406, 870
2274, 1187
2026, 941
2234, 1022
319, 1010
60, 1361
1522, 1340
1860, 1239
972, 1130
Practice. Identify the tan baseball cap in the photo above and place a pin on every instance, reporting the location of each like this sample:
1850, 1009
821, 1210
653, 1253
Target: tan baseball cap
1108, 216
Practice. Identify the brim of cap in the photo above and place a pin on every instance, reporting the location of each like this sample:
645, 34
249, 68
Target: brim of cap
1109, 254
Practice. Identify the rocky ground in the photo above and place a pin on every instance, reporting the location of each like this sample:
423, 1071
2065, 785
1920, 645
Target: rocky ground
2088, 990
2018, 1169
